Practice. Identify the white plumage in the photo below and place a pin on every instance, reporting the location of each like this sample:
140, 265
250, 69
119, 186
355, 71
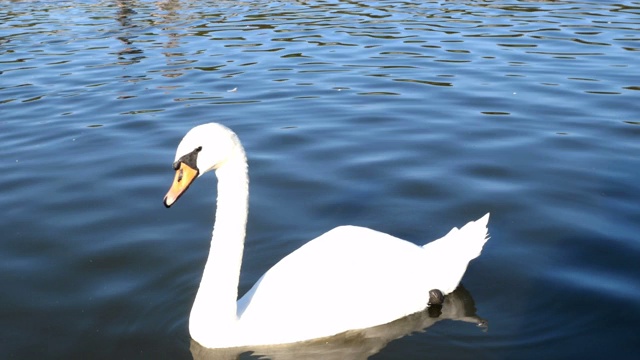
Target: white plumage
348, 278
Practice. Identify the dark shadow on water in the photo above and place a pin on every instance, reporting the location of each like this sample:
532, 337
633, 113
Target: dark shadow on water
357, 344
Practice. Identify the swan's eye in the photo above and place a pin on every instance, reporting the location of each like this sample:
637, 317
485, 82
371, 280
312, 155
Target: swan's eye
199, 148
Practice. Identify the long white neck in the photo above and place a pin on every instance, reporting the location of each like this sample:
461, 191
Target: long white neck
214, 313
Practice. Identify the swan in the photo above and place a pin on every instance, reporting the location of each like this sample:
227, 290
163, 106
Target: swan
347, 278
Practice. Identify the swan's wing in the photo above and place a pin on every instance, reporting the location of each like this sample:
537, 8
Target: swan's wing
348, 278
354, 278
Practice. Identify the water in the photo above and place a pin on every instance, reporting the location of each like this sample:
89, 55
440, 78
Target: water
407, 117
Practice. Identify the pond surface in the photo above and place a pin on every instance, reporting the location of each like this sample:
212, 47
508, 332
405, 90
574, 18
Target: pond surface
410, 117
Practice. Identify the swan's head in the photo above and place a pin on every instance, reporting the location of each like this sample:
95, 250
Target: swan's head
204, 148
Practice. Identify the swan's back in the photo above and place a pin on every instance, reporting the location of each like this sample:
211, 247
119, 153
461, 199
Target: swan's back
353, 278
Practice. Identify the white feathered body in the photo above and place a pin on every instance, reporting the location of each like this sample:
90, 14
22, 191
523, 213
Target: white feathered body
353, 278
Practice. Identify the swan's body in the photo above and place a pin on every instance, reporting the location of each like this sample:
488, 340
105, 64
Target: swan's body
348, 278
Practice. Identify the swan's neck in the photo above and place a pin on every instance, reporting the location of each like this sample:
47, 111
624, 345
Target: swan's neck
214, 312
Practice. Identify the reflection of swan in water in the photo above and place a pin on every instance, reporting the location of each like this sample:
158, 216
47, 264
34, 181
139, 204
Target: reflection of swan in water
355, 344
347, 278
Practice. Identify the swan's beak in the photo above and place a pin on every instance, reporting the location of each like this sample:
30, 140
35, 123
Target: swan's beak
185, 175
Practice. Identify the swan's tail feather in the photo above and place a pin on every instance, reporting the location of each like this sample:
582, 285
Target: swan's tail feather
451, 254
466, 241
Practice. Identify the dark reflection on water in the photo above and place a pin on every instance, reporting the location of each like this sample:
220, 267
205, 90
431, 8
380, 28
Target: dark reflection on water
407, 117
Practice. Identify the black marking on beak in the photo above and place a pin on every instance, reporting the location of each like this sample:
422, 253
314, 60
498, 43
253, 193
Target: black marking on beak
190, 159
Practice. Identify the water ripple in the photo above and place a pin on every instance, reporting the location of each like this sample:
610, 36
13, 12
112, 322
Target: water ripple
406, 116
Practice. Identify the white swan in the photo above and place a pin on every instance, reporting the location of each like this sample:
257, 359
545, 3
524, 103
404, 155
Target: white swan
348, 278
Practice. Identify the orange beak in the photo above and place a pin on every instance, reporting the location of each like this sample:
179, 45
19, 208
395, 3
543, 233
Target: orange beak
184, 177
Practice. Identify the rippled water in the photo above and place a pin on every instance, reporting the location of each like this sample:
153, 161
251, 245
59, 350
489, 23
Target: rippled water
407, 117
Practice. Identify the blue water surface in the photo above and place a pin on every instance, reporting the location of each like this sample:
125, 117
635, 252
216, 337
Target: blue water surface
410, 117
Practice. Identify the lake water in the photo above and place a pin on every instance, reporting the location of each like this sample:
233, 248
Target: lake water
410, 117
